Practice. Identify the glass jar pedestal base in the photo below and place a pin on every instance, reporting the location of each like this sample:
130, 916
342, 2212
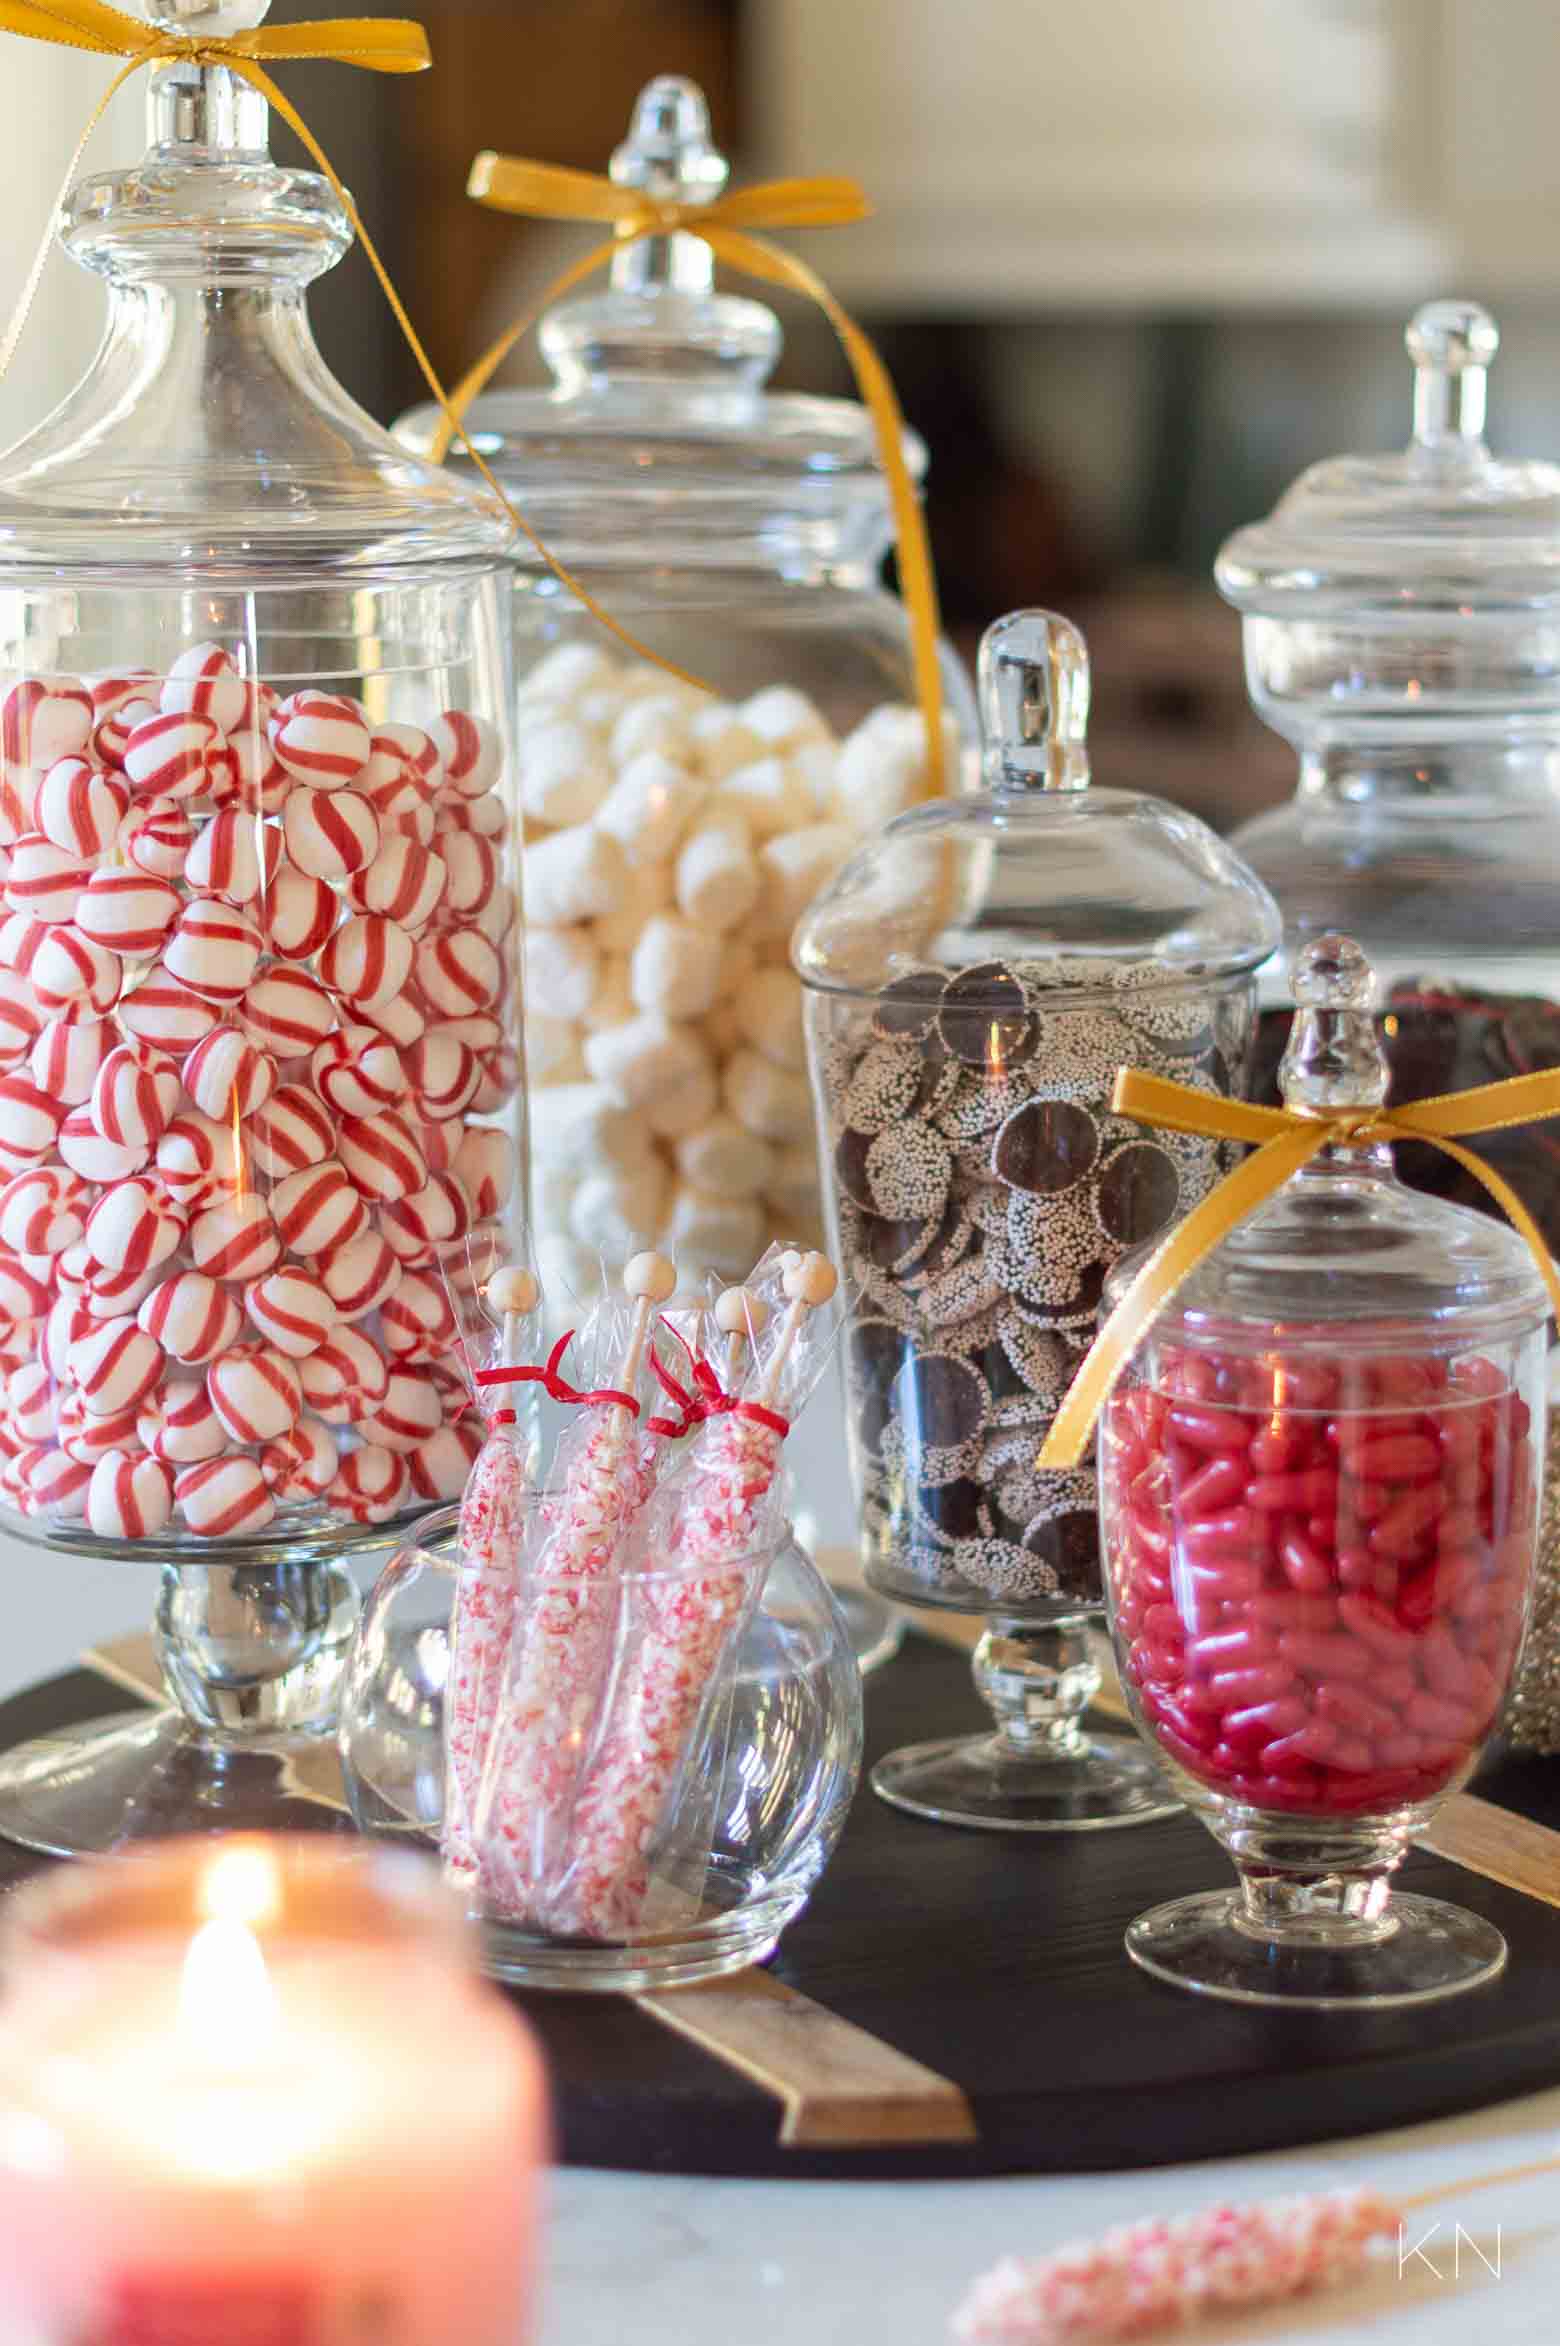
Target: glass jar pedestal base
1039, 1773
1419, 1950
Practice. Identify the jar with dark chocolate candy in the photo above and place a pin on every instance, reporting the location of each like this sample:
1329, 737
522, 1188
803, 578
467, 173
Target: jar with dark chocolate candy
974, 979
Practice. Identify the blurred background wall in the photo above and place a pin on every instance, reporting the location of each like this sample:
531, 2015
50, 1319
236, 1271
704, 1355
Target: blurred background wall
1134, 264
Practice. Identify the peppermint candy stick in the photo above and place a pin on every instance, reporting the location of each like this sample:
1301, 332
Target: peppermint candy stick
723, 1515
568, 1605
492, 1529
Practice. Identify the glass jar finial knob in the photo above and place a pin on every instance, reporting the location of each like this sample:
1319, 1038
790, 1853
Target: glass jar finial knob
667, 150
1334, 1057
1451, 344
1034, 702
219, 20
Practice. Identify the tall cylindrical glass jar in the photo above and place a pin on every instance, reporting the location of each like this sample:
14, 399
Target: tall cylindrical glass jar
672, 842
259, 997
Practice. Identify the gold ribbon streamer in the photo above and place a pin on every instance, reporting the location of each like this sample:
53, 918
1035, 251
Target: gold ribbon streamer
377, 44
546, 191
1287, 1139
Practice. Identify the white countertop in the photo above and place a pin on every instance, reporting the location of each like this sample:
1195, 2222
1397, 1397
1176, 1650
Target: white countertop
671, 2262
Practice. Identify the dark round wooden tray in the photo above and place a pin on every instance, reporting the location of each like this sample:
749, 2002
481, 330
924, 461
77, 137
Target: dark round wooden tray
997, 1960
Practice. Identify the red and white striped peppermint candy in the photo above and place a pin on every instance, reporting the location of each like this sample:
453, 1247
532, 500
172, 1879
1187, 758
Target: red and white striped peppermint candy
29, 1120
213, 950
112, 692
191, 1317
286, 1013
133, 1227
197, 1160
486, 816
291, 1131
431, 1216
496, 919
404, 883
263, 782
70, 1049
458, 972
440, 1467
69, 968
227, 1075
179, 1424
302, 1465
111, 734
44, 1210
444, 1074
83, 1148
359, 1275
329, 833
23, 1295
225, 859
157, 836
135, 1095
381, 1156
399, 1020
412, 1410
21, 940
317, 1209
167, 756
480, 1033
237, 1239
403, 771
75, 1267
21, 1017
367, 961
166, 1015
485, 1164
57, 1485
32, 1402
254, 1390
370, 1485
416, 1322
224, 1498
438, 1143
44, 718
44, 881
471, 750
79, 808
204, 679
321, 738
297, 914
293, 1310
471, 866
128, 911
113, 1366
62, 1323
356, 1072
224, 783
109, 1295
347, 1375
417, 823
129, 1497
16, 816
260, 704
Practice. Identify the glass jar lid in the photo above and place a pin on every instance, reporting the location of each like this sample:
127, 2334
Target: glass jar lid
1065, 886
659, 394
1344, 1244
1443, 525
207, 435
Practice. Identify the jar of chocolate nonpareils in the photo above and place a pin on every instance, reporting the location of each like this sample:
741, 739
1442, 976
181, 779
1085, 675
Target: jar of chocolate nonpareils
671, 839
259, 996
974, 979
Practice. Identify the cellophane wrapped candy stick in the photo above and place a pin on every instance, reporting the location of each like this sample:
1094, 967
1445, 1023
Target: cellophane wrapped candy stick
707, 1530
604, 1471
492, 1526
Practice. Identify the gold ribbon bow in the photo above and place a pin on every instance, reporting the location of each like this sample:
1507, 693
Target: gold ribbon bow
377, 44
1288, 1139
726, 225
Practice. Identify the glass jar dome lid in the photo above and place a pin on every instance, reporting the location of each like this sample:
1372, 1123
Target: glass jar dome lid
208, 435
1442, 525
659, 381
1077, 887
1344, 1244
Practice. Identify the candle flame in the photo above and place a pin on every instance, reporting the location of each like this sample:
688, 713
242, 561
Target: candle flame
242, 1884
227, 1999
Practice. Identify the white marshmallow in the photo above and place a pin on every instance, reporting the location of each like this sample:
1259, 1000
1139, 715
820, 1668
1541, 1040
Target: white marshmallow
643, 1059
881, 768
813, 765
613, 1000
566, 672
659, 721
684, 1105
574, 875
580, 1126
563, 775
768, 1012
675, 967
717, 875
723, 740
650, 806
769, 797
724, 1233
552, 1049
721, 1156
618, 1214
792, 869
767, 1099
646, 889
562, 969
784, 718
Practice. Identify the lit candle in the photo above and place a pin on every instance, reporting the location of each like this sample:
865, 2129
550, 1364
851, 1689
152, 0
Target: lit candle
251, 2094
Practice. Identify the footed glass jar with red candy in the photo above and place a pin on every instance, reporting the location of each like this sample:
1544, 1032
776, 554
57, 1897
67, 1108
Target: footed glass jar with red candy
1320, 1487
259, 1021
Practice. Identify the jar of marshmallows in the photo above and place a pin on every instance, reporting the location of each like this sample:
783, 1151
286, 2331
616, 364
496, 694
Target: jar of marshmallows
259, 1047
672, 840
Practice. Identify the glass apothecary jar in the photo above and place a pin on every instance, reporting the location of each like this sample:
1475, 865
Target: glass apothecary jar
750, 1815
1320, 1485
671, 841
259, 992
974, 979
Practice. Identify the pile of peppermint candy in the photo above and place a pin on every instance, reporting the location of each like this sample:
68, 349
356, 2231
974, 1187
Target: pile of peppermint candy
257, 968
